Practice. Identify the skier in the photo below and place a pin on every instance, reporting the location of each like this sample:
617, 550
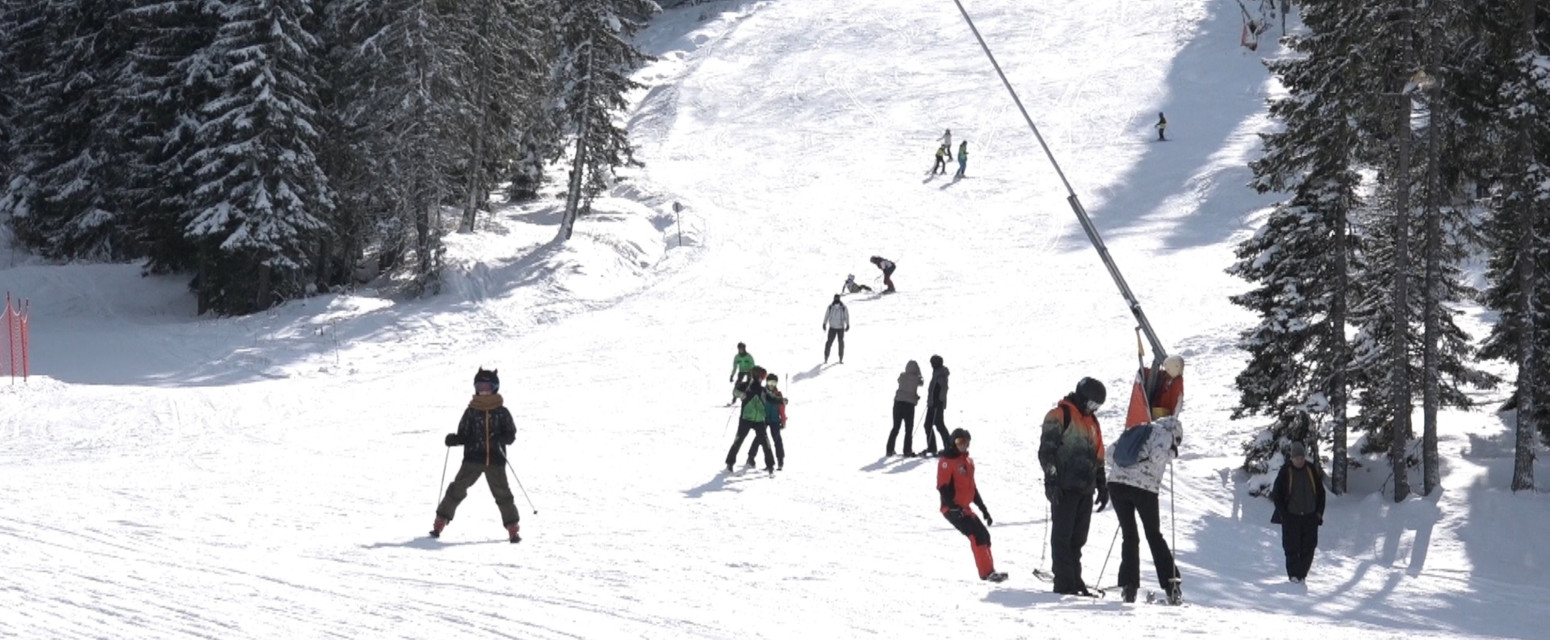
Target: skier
850, 285
1071, 454
1134, 492
963, 158
904, 401
836, 320
741, 364
484, 432
942, 154
936, 406
1162, 127
955, 483
947, 138
887, 266
755, 400
774, 421
1298, 494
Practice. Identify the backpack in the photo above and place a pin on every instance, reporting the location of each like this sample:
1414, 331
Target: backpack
1130, 449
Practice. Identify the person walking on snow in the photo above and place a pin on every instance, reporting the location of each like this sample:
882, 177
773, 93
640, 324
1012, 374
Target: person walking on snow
774, 421
955, 485
756, 401
887, 266
1298, 494
936, 406
1134, 492
963, 158
836, 320
942, 154
1162, 127
741, 364
1071, 455
484, 432
904, 401
850, 285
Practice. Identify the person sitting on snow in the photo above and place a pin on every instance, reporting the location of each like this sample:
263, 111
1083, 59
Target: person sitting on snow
851, 286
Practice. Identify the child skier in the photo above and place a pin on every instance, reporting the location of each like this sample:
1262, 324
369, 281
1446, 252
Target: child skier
741, 364
484, 432
755, 400
850, 285
774, 420
955, 485
887, 266
963, 158
942, 154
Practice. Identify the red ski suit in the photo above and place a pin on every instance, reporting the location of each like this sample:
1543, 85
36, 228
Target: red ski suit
955, 485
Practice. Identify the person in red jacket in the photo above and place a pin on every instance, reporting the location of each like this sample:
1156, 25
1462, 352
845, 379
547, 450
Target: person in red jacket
955, 483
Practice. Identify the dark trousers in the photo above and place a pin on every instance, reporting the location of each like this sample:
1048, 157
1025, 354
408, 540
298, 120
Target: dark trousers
759, 441
903, 415
1068, 534
743, 427
888, 277
940, 166
834, 333
935, 425
1130, 502
467, 475
1299, 537
979, 540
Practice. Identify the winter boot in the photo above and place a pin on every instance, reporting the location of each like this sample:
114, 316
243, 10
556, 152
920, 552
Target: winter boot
728, 469
1176, 595
441, 523
1128, 594
512, 529
996, 576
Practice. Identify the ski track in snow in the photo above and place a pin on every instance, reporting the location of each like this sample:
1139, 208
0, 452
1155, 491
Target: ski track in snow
168, 476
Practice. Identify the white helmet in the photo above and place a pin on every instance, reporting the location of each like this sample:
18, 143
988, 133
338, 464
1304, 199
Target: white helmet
1173, 365
851, 276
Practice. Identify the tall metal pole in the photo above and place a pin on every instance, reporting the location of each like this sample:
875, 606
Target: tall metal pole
1158, 353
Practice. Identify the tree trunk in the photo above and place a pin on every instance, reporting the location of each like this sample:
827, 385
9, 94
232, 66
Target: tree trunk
1399, 347
578, 167
477, 193
1431, 476
1339, 457
1528, 348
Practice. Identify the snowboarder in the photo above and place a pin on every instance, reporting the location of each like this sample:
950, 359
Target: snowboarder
904, 401
1071, 454
484, 432
963, 158
1134, 492
836, 320
741, 364
942, 154
955, 483
887, 266
1298, 494
755, 403
1162, 127
850, 285
936, 406
774, 421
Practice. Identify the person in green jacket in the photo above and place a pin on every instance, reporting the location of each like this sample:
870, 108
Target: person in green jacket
741, 364
963, 158
757, 400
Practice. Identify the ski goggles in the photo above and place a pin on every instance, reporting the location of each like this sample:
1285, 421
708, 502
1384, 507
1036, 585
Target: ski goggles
485, 387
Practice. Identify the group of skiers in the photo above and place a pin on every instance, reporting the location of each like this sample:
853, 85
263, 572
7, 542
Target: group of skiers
908, 396
944, 152
763, 411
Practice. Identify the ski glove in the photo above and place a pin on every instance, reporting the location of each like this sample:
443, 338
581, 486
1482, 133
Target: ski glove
453, 441
988, 520
1103, 498
1052, 492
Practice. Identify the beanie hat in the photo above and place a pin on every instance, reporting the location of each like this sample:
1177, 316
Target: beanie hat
1297, 450
491, 376
936, 361
1173, 365
961, 433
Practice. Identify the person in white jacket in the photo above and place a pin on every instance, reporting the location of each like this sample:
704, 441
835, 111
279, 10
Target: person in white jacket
1133, 491
836, 320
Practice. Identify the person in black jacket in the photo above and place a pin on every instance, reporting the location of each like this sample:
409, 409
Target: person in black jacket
1298, 494
484, 432
936, 406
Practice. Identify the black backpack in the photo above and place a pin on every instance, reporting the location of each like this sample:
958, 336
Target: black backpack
1130, 449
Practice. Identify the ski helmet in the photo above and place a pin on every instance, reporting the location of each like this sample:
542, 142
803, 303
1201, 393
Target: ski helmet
1092, 391
490, 376
1174, 365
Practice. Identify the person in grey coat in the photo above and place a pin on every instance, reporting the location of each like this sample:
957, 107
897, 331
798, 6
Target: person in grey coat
904, 401
836, 320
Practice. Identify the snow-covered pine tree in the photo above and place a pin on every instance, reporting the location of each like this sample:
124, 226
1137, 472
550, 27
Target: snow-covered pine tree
592, 77
261, 196
69, 197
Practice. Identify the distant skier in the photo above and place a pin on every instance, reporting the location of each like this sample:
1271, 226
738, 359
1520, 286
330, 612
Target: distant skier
774, 421
942, 154
1162, 127
955, 485
1298, 494
936, 406
1134, 492
850, 285
904, 401
741, 364
963, 158
756, 401
887, 266
1071, 454
836, 320
947, 139
484, 431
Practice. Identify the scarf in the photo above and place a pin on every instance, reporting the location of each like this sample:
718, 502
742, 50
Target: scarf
486, 403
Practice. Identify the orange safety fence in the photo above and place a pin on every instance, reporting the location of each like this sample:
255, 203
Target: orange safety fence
15, 354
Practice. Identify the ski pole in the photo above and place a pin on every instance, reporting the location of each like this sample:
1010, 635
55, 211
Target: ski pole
1105, 568
519, 486
443, 482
